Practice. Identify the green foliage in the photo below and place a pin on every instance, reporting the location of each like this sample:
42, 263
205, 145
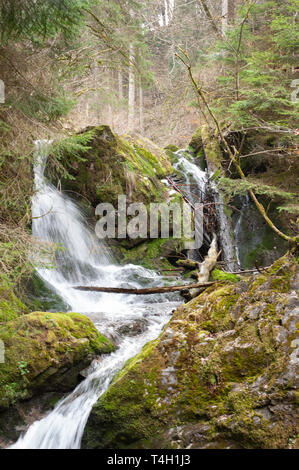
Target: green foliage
45, 108
291, 209
22, 366
258, 55
233, 187
39, 19
72, 146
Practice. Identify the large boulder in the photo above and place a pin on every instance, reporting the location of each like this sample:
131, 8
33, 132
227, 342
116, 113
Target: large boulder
221, 374
46, 352
117, 165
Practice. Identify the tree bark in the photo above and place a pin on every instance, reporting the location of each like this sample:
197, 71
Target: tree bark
145, 291
209, 262
141, 116
131, 98
228, 14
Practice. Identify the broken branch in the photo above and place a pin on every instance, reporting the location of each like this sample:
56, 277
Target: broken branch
145, 291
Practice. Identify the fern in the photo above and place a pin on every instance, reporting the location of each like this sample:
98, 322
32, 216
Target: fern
64, 151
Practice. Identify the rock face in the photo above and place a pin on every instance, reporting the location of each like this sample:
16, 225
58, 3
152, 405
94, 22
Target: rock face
46, 352
222, 374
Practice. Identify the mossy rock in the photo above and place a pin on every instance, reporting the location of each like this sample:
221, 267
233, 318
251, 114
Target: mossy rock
10, 306
38, 296
45, 352
212, 149
196, 141
219, 275
153, 254
221, 373
118, 165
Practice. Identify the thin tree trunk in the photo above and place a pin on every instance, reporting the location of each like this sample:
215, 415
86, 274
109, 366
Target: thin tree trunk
228, 14
131, 98
209, 15
141, 117
120, 85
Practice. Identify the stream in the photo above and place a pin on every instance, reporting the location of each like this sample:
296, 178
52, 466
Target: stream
129, 321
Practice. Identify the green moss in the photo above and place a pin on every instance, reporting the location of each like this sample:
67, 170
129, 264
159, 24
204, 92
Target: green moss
171, 147
38, 296
212, 148
10, 306
208, 366
118, 165
196, 141
218, 275
40, 349
151, 254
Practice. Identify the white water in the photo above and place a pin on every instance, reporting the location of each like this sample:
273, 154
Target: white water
193, 174
196, 178
86, 261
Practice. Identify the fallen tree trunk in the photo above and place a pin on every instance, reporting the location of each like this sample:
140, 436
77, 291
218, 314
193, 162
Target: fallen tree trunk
145, 291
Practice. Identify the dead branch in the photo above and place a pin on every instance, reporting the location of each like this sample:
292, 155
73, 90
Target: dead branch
145, 291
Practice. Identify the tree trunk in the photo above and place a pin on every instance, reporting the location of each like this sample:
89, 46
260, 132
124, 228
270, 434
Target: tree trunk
209, 16
131, 99
120, 85
206, 267
228, 14
209, 262
141, 117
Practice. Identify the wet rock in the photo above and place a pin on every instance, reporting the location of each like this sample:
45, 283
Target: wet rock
133, 328
45, 352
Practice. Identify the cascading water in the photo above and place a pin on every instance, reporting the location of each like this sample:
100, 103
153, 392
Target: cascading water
196, 179
86, 261
197, 183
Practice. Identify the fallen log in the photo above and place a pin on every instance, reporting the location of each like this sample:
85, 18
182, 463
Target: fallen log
145, 291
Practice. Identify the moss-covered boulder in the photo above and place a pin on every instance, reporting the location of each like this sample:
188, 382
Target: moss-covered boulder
117, 165
222, 373
46, 352
157, 254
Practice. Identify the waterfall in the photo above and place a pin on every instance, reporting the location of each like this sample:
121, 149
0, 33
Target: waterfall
83, 259
197, 184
